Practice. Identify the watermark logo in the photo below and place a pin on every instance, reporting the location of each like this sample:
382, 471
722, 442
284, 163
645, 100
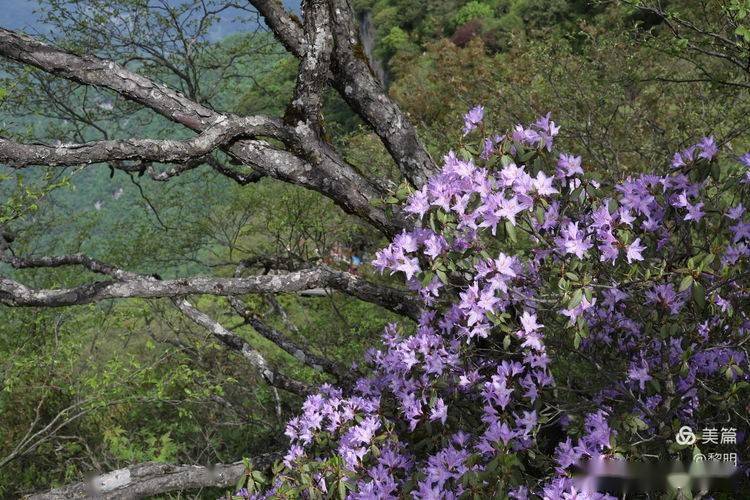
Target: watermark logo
710, 435
685, 436
720, 437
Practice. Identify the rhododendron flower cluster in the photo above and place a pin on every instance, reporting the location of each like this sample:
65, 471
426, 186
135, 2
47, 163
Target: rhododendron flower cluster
565, 320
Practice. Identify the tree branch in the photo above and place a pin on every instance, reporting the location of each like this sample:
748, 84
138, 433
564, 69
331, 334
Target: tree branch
221, 133
90, 70
286, 29
131, 285
152, 478
354, 80
238, 344
300, 353
310, 166
314, 69
78, 259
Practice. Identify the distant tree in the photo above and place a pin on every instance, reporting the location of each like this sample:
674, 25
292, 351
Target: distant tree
713, 36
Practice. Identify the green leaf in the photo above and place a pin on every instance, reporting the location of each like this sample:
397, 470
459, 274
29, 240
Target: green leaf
699, 295
685, 283
576, 299
707, 260
744, 32
716, 171
442, 276
510, 230
241, 482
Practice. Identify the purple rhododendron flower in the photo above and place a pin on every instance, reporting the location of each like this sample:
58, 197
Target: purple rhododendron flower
736, 213
568, 166
741, 231
634, 251
639, 373
695, 212
473, 118
708, 148
573, 241
665, 296
495, 264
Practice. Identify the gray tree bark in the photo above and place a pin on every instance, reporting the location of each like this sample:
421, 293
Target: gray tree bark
151, 478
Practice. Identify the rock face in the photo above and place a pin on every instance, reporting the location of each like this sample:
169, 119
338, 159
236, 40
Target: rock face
367, 37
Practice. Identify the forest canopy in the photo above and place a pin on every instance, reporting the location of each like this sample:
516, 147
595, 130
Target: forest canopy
374, 249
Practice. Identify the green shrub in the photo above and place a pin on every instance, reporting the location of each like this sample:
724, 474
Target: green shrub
472, 10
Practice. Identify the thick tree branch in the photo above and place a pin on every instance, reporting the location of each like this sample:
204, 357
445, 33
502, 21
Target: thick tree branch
78, 259
308, 166
152, 478
90, 70
221, 133
314, 68
225, 336
357, 84
142, 167
238, 177
131, 285
286, 29
353, 79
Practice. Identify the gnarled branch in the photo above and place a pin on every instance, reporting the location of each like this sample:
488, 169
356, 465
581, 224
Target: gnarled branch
153, 478
221, 133
314, 68
286, 29
131, 285
356, 83
353, 79
310, 165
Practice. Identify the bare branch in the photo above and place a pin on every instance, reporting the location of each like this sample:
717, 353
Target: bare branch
130, 285
314, 68
311, 164
302, 354
355, 81
221, 133
153, 478
285, 27
352, 77
238, 344
78, 259
238, 177
90, 70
